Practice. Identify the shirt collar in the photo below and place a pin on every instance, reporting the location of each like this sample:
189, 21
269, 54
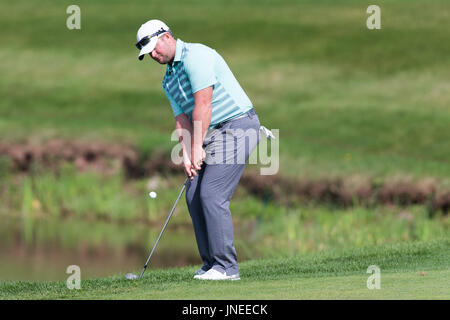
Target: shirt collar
178, 50
177, 57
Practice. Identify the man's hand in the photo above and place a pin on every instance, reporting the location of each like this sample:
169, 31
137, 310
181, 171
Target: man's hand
198, 156
187, 166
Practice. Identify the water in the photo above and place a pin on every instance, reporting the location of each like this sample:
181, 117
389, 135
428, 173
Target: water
43, 250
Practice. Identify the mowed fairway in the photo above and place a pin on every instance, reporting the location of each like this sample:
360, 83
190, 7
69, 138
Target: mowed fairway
404, 285
418, 270
346, 99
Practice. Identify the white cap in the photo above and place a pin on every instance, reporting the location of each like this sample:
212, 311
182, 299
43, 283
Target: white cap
152, 29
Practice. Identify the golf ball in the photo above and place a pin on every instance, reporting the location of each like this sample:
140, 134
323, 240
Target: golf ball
152, 194
130, 276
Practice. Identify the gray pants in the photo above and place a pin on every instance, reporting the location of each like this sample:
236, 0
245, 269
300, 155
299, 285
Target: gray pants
208, 195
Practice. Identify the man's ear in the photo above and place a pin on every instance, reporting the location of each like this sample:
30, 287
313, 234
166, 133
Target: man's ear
166, 36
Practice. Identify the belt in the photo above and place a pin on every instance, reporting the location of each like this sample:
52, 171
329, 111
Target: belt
221, 124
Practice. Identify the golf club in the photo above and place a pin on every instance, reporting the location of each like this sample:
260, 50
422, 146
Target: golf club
131, 276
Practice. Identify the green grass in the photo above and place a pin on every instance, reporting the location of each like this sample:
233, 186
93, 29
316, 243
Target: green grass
328, 275
307, 229
346, 99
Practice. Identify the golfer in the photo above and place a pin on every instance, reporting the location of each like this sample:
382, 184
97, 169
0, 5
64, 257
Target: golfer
212, 113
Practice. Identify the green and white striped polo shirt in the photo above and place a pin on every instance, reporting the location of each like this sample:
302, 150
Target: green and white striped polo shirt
195, 67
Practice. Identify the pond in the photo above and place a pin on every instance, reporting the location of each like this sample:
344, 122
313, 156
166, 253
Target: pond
42, 250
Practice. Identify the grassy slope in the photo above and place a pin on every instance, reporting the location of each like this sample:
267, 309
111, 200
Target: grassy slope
346, 99
328, 275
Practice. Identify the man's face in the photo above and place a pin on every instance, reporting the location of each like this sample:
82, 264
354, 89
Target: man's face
162, 52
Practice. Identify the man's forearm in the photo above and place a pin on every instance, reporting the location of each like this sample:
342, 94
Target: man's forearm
185, 131
201, 117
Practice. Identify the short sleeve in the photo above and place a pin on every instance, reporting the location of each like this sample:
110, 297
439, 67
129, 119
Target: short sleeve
199, 67
175, 107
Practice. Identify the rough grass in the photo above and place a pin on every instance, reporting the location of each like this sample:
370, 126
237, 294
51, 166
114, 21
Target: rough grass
329, 275
44, 202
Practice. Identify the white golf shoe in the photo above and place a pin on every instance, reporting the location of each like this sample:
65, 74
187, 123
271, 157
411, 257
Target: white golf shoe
212, 274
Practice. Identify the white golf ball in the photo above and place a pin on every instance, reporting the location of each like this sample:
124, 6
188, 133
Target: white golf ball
152, 194
130, 276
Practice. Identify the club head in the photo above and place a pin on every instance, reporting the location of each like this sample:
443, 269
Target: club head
130, 276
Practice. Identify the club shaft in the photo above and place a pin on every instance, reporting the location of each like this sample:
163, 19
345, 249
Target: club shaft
164, 227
